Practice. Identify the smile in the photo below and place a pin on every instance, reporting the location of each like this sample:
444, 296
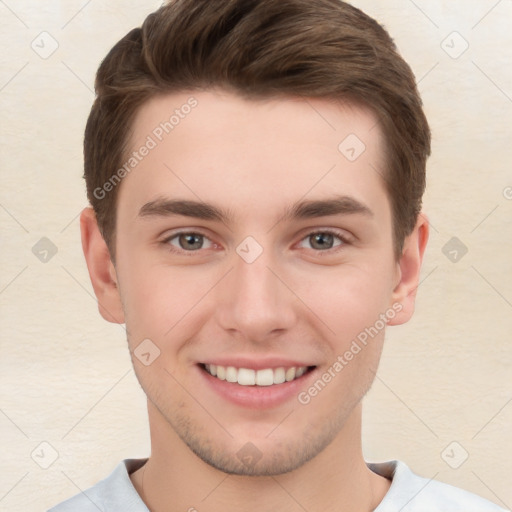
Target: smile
249, 377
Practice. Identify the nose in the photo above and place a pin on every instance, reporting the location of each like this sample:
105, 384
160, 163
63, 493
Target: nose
255, 302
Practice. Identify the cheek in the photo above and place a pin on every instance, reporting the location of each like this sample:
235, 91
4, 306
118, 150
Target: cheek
350, 300
160, 300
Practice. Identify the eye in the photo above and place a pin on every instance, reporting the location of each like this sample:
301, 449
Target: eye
325, 240
188, 241
191, 241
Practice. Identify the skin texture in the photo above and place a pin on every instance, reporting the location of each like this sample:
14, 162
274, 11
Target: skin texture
298, 300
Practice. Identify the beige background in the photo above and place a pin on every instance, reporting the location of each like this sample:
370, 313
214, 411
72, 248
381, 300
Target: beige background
66, 376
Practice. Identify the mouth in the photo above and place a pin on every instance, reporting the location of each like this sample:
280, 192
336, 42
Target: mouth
264, 377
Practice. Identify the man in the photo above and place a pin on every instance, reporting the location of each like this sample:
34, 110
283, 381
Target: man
255, 170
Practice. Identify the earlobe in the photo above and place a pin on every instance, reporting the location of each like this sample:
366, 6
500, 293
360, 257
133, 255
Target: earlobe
404, 293
101, 269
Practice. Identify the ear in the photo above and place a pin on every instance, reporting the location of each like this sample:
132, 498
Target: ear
101, 269
409, 267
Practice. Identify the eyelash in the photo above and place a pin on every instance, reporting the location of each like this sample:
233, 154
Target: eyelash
345, 240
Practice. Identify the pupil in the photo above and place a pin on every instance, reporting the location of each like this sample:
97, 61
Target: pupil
321, 238
187, 241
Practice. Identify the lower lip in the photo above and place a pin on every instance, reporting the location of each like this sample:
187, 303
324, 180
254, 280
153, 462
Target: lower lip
257, 397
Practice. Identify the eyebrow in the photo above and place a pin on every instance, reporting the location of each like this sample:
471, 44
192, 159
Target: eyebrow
338, 205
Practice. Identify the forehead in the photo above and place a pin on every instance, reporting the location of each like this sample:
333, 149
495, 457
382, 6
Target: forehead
251, 156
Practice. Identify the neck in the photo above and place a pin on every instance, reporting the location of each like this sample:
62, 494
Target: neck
175, 479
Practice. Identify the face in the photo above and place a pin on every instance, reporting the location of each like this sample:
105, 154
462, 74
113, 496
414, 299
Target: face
254, 242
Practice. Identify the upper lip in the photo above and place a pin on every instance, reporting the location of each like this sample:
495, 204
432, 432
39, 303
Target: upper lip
256, 364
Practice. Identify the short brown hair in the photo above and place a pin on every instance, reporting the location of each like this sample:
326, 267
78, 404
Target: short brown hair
260, 48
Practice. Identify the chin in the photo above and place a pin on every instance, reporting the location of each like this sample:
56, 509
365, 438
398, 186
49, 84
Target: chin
260, 457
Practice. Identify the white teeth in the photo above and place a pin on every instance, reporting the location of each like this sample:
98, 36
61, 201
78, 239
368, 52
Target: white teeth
249, 377
265, 377
246, 377
290, 374
279, 376
221, 372
299, 372
231, 374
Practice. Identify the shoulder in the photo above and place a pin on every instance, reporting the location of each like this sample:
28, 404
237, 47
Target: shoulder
115, 492
412, 493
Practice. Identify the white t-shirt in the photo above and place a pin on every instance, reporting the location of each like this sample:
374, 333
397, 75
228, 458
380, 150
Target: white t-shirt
408, 493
